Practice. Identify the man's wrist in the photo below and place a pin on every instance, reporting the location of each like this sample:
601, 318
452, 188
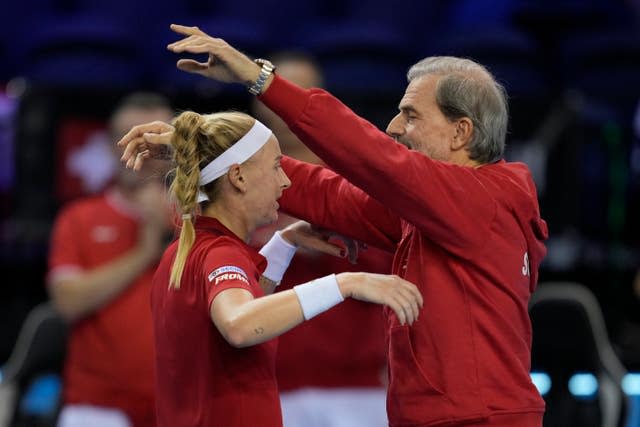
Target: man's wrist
265, 76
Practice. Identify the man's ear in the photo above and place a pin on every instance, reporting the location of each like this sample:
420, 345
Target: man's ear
464, 133
236, 178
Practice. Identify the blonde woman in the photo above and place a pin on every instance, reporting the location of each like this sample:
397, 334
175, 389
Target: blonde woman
215, 317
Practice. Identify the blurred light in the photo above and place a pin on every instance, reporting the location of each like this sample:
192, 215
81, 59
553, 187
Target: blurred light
631, 384
583, 385
542, 381
16, 87
42, 395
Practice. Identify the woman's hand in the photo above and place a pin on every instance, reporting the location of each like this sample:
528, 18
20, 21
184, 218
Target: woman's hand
148, 140
401, 296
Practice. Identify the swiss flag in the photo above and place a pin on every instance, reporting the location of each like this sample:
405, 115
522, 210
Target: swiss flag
85, 163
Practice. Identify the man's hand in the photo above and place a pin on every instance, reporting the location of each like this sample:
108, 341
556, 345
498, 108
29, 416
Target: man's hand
225, 63
309, 237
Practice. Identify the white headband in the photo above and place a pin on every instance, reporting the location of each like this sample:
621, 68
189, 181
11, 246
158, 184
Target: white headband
238, 153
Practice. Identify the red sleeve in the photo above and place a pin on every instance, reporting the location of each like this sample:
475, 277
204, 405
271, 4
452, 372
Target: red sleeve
64, 251
324, 198
447, 202
226, 267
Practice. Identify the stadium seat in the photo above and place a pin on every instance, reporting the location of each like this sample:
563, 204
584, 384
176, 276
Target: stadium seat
571, 345
39, 350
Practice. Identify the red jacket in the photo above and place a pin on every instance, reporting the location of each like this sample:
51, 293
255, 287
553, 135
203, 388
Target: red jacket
470, 239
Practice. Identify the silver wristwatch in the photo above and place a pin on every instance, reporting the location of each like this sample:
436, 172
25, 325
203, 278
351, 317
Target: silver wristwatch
265, 72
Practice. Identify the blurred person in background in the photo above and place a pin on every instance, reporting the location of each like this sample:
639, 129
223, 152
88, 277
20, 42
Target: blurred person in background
331, 372
104, 251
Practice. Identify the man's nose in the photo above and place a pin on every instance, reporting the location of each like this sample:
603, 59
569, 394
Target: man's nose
395, 128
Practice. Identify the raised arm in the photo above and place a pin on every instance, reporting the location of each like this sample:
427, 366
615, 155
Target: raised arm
326, 199
445, 201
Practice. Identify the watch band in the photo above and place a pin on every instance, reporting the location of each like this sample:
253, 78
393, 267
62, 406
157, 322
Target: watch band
265, 72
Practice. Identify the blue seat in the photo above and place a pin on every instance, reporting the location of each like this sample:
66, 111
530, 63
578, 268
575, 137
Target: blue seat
511, 55
279, 18
471, 13
360, 56
15, 32
250, 37
139, 15
412, 18
552, 20
38, 354
605, 65
81, 51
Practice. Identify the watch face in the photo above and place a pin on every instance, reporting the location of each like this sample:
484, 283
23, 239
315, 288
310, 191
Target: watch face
266, 63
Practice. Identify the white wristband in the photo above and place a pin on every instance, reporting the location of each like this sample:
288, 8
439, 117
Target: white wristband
318, 295
278, 253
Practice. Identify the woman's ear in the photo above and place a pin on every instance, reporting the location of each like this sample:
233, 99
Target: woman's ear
464, 133
237, 179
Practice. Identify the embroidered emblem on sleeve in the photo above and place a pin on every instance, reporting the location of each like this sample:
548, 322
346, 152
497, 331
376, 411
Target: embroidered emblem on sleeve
228, 272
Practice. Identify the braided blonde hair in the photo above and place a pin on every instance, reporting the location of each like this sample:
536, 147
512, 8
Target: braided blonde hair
197, 140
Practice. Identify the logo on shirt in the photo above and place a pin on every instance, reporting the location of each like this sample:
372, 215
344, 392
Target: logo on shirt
104, 234
228, 272
526, 269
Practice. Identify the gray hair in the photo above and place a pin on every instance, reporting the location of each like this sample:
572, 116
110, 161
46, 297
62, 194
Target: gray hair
467, 89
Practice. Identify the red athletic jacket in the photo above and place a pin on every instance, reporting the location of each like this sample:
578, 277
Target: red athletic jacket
470, 239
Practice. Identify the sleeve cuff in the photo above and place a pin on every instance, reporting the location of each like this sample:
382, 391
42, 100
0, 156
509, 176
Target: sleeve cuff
285, 99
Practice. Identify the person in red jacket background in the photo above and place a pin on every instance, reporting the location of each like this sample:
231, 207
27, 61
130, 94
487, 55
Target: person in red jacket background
464, 224
328, 374
104, 251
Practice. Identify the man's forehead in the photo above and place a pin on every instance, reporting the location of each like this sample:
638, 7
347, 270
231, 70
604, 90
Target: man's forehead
410, 97
419, 88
